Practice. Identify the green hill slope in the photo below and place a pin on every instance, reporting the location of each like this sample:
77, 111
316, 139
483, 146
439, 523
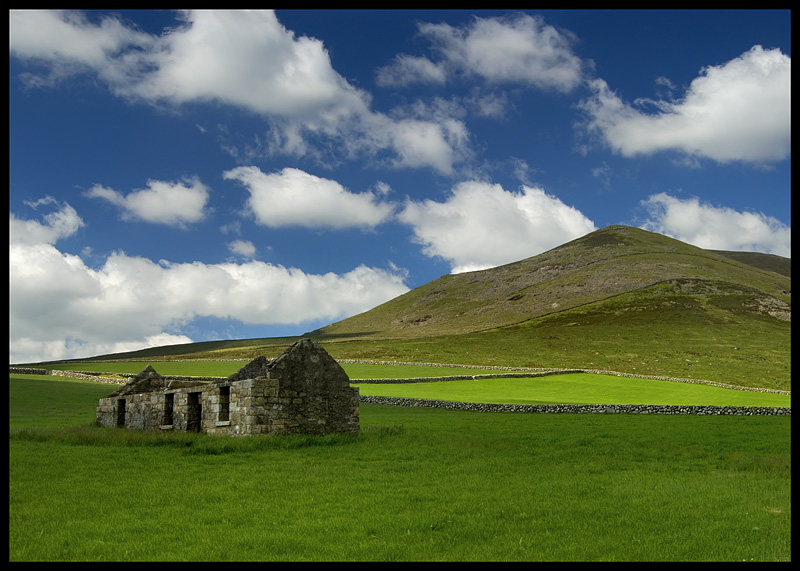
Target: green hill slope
591, 270
769, 262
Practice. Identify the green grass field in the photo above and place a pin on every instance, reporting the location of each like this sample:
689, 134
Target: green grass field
580, 388
576, 388
414, 485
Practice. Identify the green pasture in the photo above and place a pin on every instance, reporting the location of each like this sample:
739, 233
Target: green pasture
571, 388
416, 484
576, 388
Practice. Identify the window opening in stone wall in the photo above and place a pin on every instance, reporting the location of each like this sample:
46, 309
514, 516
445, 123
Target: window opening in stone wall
224, 404
169, 407
194, 413
121, 412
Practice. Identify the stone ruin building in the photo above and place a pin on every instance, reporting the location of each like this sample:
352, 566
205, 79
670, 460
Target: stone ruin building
304, 390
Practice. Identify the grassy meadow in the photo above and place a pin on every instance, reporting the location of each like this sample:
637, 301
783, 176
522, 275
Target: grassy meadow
570, 388
415, 485
576, 388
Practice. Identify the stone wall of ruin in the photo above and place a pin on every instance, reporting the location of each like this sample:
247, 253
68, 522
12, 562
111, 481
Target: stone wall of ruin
255, 406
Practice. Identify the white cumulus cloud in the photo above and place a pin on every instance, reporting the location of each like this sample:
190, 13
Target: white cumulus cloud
738, 111
518, 49
243, 248
293, 197
162, 202
481, 225
60, 308
244, 58
240, 58
69, 43
61, 223
716, 228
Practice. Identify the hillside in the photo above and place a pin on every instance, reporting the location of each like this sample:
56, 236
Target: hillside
619, 299
769, 262
590, 270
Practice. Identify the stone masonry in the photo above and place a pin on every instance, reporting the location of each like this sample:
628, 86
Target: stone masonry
304, 390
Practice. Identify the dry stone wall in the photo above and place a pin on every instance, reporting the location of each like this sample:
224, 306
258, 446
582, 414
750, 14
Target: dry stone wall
583, 408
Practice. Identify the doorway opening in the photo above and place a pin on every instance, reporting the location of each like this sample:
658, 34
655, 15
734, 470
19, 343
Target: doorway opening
169, 407
194, 413
121, 412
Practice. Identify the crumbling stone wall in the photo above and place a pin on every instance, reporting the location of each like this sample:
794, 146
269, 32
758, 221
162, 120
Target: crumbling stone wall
304, 390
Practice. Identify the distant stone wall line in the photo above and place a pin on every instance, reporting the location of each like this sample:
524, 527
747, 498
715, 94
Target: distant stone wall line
27, 371
101, 377
583, 408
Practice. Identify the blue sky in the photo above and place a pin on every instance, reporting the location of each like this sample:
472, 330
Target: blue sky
193, 176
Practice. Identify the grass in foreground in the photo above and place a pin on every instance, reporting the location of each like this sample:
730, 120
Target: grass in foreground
415, 485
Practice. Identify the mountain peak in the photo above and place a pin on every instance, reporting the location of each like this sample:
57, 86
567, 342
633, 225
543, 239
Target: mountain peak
608, 262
